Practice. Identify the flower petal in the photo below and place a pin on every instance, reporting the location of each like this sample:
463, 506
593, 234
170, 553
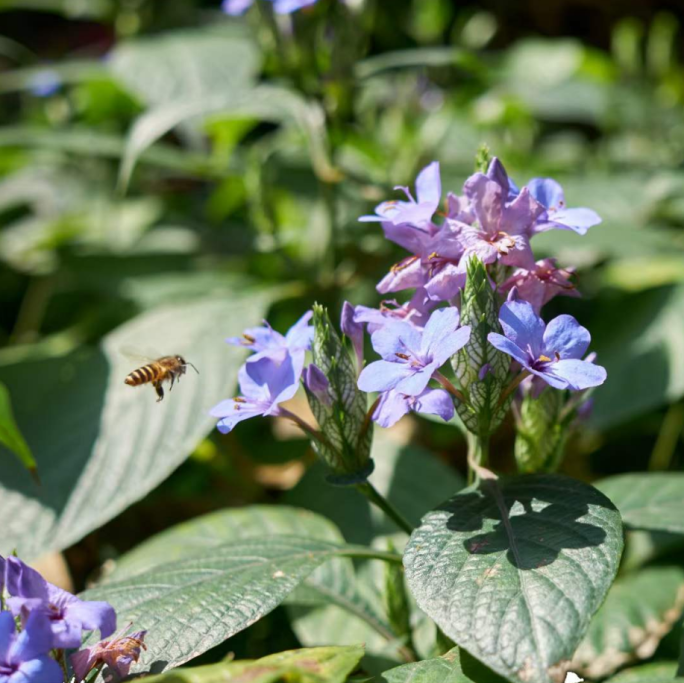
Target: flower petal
235, 7
243, 412
547, 192
7, 629
429, 186
498, 341
451, 344
575, 374
93, 614
383, 375
442, 323
566, 337
522, 325
435, 402
397, 337
416, 383
391, 408
579, 219
36, 639
299, 336
39, 670
405, 275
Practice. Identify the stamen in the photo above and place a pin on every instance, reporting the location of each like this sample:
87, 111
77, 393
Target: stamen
546, 359
402, 265
248, 338
403, 356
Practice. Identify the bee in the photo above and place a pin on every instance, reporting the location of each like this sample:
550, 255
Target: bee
156, 372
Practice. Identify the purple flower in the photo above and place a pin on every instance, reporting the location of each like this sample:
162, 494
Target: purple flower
411, 356
236, 7
393, 405
267, 343
45, 83
118, 654
68, 615
24, 656
540, 285
417, 213
550, 195
264, 384
501, 231
552, 352
435, 265
416, 312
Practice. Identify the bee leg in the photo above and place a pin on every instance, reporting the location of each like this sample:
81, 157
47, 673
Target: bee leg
160, 391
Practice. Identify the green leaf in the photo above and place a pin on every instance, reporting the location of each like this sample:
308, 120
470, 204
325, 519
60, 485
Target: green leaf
640, 610
658, 672
10, 436
101, 445
334, 583
653, 500
185, 65
456, 666
514, 571
313, 665
188, 606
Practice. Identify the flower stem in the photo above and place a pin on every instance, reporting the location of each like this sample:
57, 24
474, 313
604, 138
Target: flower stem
303, 425
375, 497
478, 459
449, 386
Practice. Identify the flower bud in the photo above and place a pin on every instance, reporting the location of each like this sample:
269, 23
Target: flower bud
481, 369
338, 405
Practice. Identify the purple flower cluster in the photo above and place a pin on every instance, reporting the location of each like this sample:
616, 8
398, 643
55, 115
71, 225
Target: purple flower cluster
51, 619
270, 376
492, 221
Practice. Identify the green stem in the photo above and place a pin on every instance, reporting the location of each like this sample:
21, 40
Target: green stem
449, 387
478, 458
515, 383
670, 431
375, 497
363, 552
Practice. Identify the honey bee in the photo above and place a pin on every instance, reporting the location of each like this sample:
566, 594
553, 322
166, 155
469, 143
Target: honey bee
156, 372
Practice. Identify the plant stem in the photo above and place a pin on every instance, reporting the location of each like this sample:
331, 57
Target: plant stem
449, 387
303, 425
670, 431
478, 458
375, 497
513, 386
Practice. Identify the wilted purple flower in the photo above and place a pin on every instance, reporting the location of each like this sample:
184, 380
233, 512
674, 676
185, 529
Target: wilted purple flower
411, 356
416, 311
550, 195
393, 405
501, 231
353, 329
552, 352
417, 213
267, 343
540, 285
68, 615
118, 654
264, 384
236, 7
317, 383
24, 656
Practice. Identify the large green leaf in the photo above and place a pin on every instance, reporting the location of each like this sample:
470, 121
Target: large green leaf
456, 666
640, 610
514, 571
653, 500
312, 665
101, 445
335, 583
184, 65
190, 605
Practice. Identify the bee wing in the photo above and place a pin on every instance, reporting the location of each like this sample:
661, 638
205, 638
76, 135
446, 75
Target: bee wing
139, 356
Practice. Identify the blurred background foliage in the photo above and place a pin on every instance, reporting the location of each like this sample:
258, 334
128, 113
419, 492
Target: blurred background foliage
157, 154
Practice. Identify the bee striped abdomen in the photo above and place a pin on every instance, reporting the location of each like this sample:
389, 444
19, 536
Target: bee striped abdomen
143, 375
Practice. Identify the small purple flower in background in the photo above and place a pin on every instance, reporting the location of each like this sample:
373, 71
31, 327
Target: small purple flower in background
118, 654
264, 384
552, 352
393, 405
24, 656
45, 83
414, 212
267, 343
411, 356
501, 231
540, 285
416, 312
67, 615
235, 7
550, 195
